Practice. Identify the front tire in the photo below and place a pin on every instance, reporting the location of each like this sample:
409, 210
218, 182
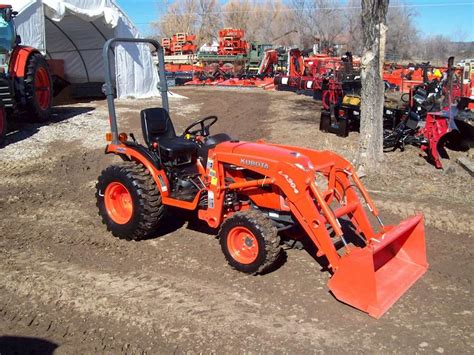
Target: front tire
250, 242
129, 201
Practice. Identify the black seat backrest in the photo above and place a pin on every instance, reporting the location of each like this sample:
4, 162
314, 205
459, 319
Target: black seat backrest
156, 123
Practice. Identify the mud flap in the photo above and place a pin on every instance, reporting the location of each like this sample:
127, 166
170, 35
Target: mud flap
373, 278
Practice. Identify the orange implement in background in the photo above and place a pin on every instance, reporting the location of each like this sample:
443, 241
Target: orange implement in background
231, 42
179, 44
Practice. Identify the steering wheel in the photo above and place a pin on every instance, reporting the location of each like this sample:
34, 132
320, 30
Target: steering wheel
203, 129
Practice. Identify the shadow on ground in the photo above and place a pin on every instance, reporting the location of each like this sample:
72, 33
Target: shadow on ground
20, 129
10, 345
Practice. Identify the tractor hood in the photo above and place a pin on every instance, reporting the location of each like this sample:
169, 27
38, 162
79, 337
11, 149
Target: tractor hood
260, 153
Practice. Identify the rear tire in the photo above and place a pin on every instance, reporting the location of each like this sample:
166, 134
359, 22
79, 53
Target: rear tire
129, 201
250, 242
38, 88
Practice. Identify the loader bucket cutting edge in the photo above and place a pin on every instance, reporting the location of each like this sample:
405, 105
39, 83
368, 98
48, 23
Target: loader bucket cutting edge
373, 278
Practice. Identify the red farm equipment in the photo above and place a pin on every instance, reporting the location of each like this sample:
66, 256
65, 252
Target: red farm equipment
267, 64
320, 76
321, 64
262, 79
258, 195
212, 75
179, 44
296, 70
25, 79
429, 128
166, 44
231, 42
406, 77
465, 69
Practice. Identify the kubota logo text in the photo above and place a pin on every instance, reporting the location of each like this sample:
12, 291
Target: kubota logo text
257, 164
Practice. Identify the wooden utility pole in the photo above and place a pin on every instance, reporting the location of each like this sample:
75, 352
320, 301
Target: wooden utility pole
374, 30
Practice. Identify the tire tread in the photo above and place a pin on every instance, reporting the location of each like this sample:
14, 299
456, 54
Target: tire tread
269, 232
150, 206
34, 61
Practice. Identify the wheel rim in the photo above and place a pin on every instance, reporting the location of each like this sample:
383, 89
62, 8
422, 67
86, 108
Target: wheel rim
118, 202
42, 88
242, 245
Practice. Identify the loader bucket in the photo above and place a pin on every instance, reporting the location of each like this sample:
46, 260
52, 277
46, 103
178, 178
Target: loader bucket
373, 278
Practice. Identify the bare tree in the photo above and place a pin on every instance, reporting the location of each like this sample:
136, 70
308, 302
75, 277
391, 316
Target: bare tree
181, 16
318, 21
263, 22
238, 14
200, 17
374, 30
353, 28
300, 22
209, 20
437, 48
402, 35
303, 23
272, 22
403, 40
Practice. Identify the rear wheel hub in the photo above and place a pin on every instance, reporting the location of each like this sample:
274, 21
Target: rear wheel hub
118, 202
42, 88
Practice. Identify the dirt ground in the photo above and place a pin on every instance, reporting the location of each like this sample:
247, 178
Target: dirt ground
68, 285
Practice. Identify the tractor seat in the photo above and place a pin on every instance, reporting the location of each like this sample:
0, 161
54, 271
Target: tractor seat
158, 128
176, 147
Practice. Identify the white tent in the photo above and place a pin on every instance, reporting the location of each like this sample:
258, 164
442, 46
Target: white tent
76, 30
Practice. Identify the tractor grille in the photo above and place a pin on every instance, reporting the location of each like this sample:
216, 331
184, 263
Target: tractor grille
6, 96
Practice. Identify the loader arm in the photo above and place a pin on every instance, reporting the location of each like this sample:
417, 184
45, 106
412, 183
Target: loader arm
340, 172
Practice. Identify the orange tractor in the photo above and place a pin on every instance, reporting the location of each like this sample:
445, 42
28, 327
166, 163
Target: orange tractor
258, 195
25, 79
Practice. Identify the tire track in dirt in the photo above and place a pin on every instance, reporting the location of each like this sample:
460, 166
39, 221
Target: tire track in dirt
142, 299
296, 283
73, 333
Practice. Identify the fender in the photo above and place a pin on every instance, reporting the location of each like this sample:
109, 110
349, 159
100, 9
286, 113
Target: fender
159, 176
18, 60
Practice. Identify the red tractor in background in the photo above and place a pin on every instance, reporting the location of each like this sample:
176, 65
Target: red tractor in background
25, 78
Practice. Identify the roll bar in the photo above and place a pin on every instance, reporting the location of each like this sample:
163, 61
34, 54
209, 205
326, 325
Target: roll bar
108, 87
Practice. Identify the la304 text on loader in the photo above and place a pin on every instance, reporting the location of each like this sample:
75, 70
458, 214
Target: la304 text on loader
257, 195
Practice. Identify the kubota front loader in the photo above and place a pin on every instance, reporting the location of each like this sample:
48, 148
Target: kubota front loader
258, 195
